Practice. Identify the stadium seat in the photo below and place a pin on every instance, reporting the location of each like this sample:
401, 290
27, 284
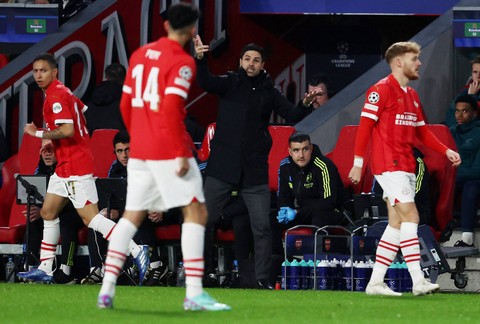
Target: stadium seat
342, 156
204, 150
279, 150
102, 148
7, 196
442, 177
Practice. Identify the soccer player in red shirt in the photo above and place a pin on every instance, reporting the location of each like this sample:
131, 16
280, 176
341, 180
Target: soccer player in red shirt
73, 177
392, 116
162, 172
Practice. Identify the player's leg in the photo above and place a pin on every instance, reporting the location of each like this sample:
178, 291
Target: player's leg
193, 234
411, 248
387, 249
117, 254
52, 206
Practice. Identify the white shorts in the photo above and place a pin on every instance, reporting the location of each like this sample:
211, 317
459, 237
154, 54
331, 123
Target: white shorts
398, 186
153, 185
79, 189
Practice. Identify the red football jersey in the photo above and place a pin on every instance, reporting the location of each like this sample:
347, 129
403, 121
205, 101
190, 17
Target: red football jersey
397, 112
157, 130
74, 156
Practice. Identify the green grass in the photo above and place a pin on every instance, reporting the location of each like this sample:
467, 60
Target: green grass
28, 303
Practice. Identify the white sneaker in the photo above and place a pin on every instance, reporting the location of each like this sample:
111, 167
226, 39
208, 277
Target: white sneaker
424, 287
380, 288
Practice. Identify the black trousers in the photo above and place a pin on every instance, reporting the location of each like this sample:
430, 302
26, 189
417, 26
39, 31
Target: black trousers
257, 200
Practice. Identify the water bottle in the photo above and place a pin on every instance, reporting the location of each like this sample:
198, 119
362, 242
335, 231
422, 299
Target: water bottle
285, 284
9, 271
323, 269
295, 273
392, 277
304, 275
361, 279
234, 273
311, 273
406, 282
180, 275
347, 275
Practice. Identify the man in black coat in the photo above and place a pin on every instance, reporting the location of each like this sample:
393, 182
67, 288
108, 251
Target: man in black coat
241, 144
310, 190
104, 106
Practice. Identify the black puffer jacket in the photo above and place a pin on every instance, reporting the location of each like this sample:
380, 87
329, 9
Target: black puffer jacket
104, 107
240, 147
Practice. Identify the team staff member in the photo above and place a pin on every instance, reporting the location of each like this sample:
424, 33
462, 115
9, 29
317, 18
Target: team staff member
310, 190
240, 147
392, 117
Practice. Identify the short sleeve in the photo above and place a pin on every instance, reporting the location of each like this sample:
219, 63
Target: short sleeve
180, 78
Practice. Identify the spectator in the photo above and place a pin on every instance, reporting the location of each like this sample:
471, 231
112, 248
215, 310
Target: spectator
240, 147
310, 190
73, 178
104, 106
320, 83
70, 223
97, 245
467, 139
472, 89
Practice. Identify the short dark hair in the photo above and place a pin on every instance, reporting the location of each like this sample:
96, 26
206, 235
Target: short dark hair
476, 60
318, 78
469, 100
253, 47
47, 57
182, 14
298, 137
115, 72
121, 137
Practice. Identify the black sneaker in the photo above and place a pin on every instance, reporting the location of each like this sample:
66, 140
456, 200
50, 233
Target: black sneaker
59, 277
154, 276
461, 243
92, 279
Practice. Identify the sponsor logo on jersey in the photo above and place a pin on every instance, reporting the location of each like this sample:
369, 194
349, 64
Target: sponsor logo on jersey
373, 97
406, 119
185, 72
57, 107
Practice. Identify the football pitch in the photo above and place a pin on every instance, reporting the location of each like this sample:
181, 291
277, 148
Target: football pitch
31, 303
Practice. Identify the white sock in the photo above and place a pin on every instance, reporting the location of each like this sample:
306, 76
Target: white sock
193, 235
51, 235
411, 250
386, 251
105, 226
66, 269
116, 255
467, 237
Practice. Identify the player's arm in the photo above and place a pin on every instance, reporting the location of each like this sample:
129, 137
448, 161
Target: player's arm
62, 131
430, 140
371, 111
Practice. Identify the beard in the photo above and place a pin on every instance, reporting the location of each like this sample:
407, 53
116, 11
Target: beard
411, 75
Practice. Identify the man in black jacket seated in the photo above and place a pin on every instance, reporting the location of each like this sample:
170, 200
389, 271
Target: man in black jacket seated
310, 190
241, 144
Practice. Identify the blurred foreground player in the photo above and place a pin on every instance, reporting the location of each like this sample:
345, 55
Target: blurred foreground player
162, 173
